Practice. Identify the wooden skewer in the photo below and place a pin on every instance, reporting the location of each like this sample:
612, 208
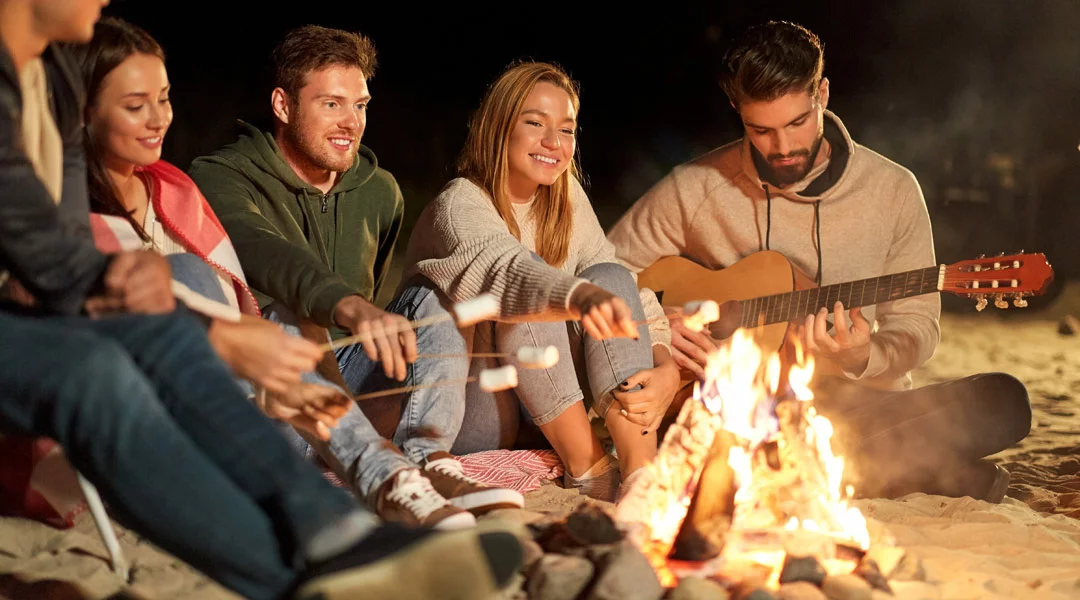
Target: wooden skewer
468, 355
363, 337
412, 388
439, 318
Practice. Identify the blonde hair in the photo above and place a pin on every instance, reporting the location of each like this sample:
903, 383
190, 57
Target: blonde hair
484, 159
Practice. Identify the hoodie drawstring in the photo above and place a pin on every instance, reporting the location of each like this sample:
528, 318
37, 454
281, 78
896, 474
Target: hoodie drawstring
817, 227
768, 215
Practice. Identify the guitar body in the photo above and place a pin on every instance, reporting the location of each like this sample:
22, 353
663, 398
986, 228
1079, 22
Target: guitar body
679, 280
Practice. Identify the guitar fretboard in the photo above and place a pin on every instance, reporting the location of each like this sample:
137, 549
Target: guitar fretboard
788, 307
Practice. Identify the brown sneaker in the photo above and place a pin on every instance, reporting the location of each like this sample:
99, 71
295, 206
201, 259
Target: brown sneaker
448, 478
408, 498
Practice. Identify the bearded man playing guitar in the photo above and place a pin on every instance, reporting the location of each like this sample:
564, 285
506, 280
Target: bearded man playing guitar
797, 187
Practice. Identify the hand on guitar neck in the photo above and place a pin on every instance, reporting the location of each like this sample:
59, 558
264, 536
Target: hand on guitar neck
849, 343
766, 294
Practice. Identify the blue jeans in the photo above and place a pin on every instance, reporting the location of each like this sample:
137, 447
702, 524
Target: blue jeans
144, 408
430, 418
588, 369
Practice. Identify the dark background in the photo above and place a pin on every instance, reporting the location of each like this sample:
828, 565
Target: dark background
979, 98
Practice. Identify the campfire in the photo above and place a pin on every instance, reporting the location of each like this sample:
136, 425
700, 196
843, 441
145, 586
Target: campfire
745, 485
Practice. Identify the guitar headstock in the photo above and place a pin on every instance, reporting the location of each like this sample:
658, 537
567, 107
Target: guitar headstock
1001, 278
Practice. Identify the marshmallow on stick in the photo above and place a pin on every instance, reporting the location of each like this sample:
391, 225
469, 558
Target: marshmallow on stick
527, 357
491, 380
497, 380
531, 357
484, 307
481, 308
700, 313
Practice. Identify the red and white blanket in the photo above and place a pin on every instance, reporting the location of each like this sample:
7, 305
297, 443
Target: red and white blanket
187, 215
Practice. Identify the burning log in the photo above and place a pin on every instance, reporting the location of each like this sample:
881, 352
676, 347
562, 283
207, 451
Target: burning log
710, 512
653, 510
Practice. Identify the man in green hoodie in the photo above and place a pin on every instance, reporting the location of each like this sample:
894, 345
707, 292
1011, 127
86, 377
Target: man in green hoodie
314, 221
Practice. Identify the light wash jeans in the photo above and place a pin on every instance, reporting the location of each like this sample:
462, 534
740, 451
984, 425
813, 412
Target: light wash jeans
588, 369
145, 409
356, 451
430, 418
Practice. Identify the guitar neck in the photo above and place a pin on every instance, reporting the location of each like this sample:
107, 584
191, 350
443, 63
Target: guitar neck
792, 306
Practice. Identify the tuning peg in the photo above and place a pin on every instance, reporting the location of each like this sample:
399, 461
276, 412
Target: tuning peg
1000, 301
1019, 301
980, 303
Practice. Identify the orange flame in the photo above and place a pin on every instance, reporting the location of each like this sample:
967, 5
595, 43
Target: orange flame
802, 500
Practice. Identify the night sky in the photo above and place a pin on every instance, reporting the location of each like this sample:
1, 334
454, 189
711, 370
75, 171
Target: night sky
979, 98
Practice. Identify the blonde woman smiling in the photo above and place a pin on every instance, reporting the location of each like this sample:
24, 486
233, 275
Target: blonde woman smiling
517, 224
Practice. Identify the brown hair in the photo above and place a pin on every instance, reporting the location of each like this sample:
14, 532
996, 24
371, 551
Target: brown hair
310, 48
114, 41
484, 158
770, 60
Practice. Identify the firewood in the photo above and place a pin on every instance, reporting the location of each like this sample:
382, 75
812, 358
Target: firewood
709, 516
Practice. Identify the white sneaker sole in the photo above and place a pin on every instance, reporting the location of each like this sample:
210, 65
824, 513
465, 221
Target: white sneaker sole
491, 499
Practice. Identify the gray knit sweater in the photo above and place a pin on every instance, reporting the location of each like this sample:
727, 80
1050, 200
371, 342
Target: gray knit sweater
465, 248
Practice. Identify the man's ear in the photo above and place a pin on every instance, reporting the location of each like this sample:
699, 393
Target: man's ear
823, 92
279, 104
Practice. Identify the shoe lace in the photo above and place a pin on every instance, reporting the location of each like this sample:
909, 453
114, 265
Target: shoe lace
415, 493
452, 468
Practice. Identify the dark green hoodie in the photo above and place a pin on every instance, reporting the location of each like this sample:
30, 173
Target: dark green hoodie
297, 245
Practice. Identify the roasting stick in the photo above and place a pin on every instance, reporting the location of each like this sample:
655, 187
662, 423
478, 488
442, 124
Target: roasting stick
481, 308
696, 314
527, 357
491, 380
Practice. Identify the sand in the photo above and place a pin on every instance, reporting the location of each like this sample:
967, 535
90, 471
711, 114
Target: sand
1026, 547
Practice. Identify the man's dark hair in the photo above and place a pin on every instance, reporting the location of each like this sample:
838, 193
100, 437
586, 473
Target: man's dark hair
771, 60
310, 48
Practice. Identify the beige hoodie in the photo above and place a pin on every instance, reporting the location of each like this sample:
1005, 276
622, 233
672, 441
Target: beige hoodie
714, 210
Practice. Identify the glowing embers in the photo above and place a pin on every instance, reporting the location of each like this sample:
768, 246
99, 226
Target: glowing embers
746, 477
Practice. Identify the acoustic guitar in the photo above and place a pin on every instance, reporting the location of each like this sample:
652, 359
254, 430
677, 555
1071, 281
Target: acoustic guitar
765, 293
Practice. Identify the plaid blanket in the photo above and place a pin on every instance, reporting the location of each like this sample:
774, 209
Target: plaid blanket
521, 470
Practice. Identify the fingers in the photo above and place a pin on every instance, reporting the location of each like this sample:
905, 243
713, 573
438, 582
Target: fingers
102, 305
859, 323
588, 322
601, 316
822, 338
408, 339
394, 360
686, 363
623, 319
641, 419
655, 425
147, 287
117, 274
840, 324
312, 426
691, 349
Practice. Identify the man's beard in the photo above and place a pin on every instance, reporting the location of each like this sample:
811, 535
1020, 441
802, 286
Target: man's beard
317, 154
784, 176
